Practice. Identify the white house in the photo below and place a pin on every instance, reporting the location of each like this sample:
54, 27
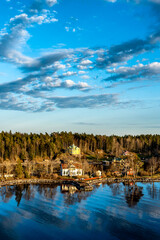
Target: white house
70, 169
98, 173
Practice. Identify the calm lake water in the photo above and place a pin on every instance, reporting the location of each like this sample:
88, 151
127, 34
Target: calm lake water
112, 211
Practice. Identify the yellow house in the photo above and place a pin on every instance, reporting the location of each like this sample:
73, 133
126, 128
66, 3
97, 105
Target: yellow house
74, 150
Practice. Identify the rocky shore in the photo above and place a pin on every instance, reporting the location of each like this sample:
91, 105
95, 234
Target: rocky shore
81, 185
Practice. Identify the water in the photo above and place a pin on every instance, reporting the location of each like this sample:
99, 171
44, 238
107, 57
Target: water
112, 211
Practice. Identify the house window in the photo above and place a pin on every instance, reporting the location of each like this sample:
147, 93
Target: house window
64, 172
79, 172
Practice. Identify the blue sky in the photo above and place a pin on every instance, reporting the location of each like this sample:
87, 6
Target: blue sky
80, 65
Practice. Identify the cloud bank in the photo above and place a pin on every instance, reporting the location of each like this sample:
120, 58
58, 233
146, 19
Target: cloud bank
62, 69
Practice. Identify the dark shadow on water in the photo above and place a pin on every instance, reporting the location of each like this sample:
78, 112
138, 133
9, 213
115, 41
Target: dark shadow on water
133, 194
53, 212
131, 191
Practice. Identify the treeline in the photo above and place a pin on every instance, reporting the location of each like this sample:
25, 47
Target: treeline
31, 146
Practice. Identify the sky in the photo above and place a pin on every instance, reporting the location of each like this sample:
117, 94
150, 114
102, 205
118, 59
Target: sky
80, 65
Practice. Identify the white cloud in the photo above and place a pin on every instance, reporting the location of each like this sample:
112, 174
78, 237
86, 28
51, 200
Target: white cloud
3, 31
67, 29
59, 65
81, 67
155, 1
72, 85
136, 72
81, 72
50, 19
69, 73
144, 59
52, 84
85, 77
100, 59
51, 2
15, 35
90, 101
86, 62
83, 85
25, 20
112, 1
69, 83
155, 66
48, 79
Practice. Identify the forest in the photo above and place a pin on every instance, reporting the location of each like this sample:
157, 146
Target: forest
31, 146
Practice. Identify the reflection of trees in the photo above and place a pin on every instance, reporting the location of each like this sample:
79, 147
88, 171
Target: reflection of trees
116, 188
6, 193
133, 194
26, 191
48, 191
18, 193
153, 191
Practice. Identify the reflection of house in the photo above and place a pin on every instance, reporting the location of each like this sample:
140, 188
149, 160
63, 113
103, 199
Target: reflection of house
68, 188
70, 169
74, 150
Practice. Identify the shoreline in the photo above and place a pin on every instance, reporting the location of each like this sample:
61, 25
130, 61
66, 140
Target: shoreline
74, 181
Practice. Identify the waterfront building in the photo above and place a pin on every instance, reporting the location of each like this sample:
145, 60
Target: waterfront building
68, 188
118, 161
74, 150
117, 173
70, 169
126, 153
98, 173
131, 172
105, 163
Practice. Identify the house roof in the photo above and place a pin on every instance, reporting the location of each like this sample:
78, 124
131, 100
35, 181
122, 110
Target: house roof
76, 165
73, 146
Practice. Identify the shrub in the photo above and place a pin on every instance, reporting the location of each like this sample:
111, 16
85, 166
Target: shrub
108, 174
86, 176
103, 174
26, 174
144, 173
19, 170
55, 175
158, 171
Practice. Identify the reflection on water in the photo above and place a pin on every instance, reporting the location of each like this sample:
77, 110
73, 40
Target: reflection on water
72, 195
110, 211
116, 188
133, 195
68, 188
132, 192
153, 191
